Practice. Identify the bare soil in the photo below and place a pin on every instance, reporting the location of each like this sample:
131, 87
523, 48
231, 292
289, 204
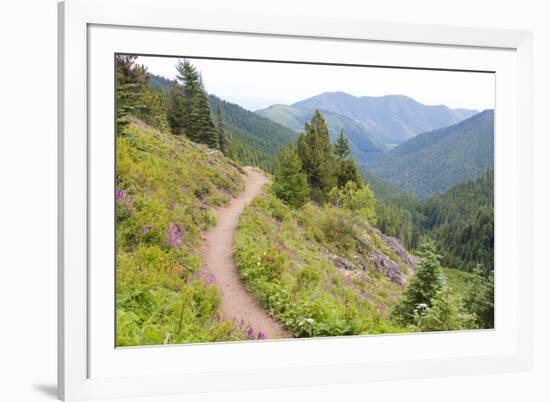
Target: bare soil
217, 256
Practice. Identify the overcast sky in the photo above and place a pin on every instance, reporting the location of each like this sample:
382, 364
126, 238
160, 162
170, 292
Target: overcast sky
256, 85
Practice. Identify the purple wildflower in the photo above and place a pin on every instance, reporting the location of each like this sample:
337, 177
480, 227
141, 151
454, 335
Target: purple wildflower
207, 277
175, 239
261, 335
123, 198
250, 333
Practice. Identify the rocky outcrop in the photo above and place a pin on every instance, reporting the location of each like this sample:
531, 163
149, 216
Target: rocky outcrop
395, 245
373, 250
341, 263
383, 263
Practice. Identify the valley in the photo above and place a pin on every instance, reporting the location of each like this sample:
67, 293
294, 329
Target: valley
335, 215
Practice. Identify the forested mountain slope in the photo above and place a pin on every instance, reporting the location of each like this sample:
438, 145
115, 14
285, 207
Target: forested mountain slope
460, 221
315, 248
392, 119
364, 145
433, 162
257, 139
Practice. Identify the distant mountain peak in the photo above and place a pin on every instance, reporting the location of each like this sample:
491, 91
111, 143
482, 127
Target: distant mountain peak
392, 119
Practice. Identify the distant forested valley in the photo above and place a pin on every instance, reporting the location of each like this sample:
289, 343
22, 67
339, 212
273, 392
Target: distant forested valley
379, 215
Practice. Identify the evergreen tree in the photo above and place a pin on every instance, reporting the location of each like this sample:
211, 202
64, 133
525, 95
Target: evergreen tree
479, 298
154, 110
346, 171
183, 97
131, 79
318, 160
223, 137
188, 77
423, 287
176, 109
290, 182
201, 127
342, 149
445, 314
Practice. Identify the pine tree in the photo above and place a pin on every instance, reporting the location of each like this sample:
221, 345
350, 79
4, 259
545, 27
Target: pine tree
346, 168
445, 314
183, 97
317, 157
479, 298
223, 137
423, 287
346, 171
176, 109
342, 149
201, 127
131, 78
290, 182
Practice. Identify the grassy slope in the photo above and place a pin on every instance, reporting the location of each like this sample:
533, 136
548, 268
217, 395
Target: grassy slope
165, 189
283, 257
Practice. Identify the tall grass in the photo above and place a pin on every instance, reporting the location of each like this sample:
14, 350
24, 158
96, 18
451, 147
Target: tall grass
282, 255
165, 190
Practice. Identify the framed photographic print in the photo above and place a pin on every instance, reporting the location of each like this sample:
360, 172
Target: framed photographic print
243, 198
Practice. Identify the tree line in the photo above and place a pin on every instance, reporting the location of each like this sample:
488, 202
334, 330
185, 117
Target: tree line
315, 169
460, 221
184, 110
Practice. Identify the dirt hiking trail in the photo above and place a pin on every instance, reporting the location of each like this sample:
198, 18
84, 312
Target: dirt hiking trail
217, 257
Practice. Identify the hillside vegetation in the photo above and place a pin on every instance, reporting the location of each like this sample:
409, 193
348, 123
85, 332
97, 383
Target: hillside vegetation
320, 270
257, 139
166, 187
364, 146
319, 250
460, 221
433, 162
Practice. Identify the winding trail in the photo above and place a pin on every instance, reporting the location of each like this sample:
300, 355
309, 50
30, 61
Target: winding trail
217, 257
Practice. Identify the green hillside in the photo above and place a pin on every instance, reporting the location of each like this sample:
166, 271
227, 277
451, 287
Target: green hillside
433, 162
459, 220
364, 145
258, 139
166, 188
320, 271
462, 223
314, 242
160, 83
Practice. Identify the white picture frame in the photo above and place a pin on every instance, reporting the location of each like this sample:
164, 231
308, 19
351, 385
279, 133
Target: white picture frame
89, 368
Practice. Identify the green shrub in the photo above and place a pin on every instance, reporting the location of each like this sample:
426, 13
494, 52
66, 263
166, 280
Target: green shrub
337, 227
284, 264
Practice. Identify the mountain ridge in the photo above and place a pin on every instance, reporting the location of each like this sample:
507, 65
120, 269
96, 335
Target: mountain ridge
363, 144
437, 160
392, 119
